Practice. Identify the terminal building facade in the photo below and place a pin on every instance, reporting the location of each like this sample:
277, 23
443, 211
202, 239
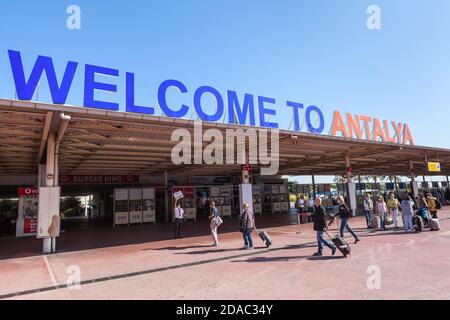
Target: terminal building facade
124, 161
131, 165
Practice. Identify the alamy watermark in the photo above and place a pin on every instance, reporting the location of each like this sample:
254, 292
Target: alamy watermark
374, 19
374, 279
260, 149
73, 22
73, 280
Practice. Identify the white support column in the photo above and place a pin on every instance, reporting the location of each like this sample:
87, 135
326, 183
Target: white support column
351, 188
49, 182
414, 184
245, 188
348, 168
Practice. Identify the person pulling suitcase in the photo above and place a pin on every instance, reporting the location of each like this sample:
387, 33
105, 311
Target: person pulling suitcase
246, 226
320, 225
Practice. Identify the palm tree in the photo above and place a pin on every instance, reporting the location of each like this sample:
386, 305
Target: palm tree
292, 187
340, 179
381, 178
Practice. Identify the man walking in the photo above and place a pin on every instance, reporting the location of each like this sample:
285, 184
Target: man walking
247, 225
179, 213
368, 208
319, 218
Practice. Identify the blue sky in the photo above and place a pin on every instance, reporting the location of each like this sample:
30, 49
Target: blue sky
314, 52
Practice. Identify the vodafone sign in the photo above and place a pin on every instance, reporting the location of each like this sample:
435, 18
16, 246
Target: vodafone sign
28, 191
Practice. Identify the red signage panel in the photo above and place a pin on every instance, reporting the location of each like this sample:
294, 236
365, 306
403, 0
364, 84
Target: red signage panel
28, 191
98, 179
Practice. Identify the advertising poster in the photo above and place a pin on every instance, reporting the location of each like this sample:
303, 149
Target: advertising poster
27, 212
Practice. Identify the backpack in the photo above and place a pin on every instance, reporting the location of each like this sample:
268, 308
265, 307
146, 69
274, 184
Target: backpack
438, 204
243, 222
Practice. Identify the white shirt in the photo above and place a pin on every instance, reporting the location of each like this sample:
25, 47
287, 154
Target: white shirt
368, 204
179, 212
310, 203
300, 203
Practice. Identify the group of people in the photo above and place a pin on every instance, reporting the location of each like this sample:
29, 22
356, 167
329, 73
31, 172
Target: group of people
246, 223
385, 212
388, 212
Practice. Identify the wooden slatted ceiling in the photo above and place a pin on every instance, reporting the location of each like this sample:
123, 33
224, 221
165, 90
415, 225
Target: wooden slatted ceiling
96, 144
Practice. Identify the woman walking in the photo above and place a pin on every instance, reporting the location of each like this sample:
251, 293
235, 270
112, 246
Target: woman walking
393, 205
381, 211
247, 224
345, 213
215, 222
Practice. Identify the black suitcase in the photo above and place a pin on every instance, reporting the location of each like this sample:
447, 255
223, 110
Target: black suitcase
265, 237
340, 244
417, 224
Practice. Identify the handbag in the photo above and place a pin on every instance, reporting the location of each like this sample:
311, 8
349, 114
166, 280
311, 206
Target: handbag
388, 220
217, 221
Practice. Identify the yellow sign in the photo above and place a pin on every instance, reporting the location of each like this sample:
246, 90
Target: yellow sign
434, 167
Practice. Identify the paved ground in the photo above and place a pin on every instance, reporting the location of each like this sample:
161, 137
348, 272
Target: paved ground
131, 263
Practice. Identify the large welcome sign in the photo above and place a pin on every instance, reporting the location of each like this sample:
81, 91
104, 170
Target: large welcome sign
241, 108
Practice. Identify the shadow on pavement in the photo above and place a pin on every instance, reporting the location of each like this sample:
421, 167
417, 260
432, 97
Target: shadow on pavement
210, 251
177, 248
275, 259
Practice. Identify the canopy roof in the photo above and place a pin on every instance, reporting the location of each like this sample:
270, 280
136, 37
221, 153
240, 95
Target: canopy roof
111, 142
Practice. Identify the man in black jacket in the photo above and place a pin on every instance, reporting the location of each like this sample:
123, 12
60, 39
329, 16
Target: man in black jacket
320, 225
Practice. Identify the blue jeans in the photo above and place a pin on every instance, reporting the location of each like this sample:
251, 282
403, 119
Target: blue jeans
368, 215
321, 241
382, 217
248, 241
345, 225
407, 222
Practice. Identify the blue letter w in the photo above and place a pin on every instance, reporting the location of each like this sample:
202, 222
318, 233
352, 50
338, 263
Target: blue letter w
25, 89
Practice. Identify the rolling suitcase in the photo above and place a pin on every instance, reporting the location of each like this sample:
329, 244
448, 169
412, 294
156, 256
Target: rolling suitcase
417, 224
340, 244
435, 225
265, 237
373, 222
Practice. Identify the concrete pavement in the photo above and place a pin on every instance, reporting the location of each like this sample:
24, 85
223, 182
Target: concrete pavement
384, 265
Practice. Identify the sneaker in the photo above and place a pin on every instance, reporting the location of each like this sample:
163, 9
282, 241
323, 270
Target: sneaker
317, 254
333, 251
357, 240
249, 248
